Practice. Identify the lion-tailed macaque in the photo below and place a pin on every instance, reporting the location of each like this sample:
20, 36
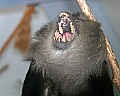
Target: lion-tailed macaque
68, 58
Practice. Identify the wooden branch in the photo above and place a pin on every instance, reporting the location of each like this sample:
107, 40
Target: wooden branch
29, 10
115, 66
86, 10
110, 55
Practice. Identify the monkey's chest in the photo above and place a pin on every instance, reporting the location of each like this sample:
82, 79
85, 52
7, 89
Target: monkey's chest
69, 77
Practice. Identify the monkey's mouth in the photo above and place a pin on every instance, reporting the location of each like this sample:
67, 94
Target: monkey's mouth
65, 28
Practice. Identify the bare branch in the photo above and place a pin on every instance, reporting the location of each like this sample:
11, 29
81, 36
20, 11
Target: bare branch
113, 61
86, 10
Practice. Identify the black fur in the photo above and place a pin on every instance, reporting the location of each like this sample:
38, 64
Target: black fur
76, 68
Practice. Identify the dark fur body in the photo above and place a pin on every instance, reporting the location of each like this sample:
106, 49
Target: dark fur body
76, 68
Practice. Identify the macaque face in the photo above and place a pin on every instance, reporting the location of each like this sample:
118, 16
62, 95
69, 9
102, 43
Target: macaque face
65, 28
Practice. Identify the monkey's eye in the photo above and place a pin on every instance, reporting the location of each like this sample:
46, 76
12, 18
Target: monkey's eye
76, 20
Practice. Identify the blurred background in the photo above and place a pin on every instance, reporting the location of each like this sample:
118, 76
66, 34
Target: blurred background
19, 20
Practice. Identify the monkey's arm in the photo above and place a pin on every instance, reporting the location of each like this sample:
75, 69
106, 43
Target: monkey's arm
36, 84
